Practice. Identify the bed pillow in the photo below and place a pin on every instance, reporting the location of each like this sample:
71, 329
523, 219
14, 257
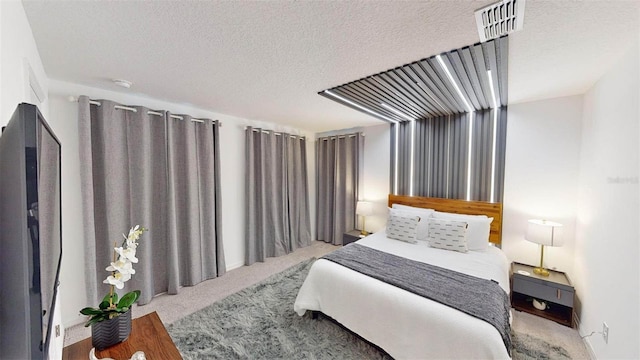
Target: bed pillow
402, 226
448, 234
478, 230
423, 227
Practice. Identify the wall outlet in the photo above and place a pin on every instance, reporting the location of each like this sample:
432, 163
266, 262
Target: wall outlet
57, 330
605, 332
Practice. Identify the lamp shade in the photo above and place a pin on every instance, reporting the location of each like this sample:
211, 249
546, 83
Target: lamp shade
364, 208
547, 233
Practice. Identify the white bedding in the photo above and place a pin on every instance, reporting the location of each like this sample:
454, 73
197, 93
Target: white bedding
405, 325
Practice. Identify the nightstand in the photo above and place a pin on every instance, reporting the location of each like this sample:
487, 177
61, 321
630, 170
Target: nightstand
556, 290
351, 236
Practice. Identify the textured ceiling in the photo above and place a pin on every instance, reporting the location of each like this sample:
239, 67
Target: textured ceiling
267, 60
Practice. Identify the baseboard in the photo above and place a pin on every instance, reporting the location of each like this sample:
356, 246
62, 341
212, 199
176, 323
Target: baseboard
587, 344
235, 266
75, 322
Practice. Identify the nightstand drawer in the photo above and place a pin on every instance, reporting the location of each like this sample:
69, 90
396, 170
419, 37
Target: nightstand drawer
543, 292
351, 237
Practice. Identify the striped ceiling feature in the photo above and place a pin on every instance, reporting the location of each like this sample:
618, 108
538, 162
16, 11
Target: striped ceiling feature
463, 80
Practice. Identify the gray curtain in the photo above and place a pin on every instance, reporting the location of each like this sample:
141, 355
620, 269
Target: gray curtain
140, 168
277, 194
194, 218
441, 156
338, 168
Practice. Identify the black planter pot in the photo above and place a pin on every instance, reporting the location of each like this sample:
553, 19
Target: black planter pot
110, 332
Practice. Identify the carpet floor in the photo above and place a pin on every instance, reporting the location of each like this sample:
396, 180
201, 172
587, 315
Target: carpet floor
259, 323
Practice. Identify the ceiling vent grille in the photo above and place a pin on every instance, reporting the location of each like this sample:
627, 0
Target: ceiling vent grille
501, 18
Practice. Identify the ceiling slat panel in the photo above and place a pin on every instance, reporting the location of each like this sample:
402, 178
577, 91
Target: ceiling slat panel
426, 89
385, 94
440, 89
384, 80
431, 90
491, 62
368, 103
324, 93
379, 98
503, 50
449, 86
415, 103
345, 92
481, 68
430, 109
371, 100
354, 95
474, 77
409, 92
463, 78
375, 84
408, 74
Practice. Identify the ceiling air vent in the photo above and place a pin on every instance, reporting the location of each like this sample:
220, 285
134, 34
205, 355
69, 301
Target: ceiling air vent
500, 19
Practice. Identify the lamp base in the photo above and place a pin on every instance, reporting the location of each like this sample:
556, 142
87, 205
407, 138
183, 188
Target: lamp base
541, 271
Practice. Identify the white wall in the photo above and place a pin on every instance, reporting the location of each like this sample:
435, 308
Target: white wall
375, 171
18, 52
64, 115
20, 70
541, 176
606, 256
377, 156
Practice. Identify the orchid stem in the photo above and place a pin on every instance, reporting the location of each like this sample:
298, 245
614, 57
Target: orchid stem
113, 273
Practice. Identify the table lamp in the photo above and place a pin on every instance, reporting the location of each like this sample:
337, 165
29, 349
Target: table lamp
364, 209
545, 233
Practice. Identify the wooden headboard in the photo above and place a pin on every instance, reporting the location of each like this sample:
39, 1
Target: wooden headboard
493, 210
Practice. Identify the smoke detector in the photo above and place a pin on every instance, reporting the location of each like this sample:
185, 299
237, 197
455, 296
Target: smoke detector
123, 83
501, 18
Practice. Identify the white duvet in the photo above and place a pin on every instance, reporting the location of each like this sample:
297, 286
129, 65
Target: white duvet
405, 325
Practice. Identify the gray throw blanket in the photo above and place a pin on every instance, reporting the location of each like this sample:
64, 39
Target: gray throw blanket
480, 298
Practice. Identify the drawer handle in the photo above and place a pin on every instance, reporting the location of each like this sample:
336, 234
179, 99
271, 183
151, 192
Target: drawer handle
559, 295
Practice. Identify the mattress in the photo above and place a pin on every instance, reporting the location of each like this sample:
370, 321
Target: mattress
405, 325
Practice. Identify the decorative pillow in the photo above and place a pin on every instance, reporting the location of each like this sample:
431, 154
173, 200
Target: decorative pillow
402, 226
478, 230
448, 234
423, 226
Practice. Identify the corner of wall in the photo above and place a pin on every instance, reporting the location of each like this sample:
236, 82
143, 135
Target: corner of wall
541, 176
607, 275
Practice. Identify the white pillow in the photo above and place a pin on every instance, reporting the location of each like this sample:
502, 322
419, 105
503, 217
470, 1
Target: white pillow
478, 230
402, 226
423, 226
448, 234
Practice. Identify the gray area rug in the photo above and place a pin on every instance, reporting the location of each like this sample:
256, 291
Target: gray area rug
259, 323
527, 347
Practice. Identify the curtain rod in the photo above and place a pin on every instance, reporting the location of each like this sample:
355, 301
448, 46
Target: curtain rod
150, 112
325, 138
275, 133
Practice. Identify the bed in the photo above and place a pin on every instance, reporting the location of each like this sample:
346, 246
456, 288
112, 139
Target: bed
406, 325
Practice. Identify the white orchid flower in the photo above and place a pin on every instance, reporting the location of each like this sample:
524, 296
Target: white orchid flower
128, 253
135, 232
134, 235
123, 265
117, 279
132, 244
